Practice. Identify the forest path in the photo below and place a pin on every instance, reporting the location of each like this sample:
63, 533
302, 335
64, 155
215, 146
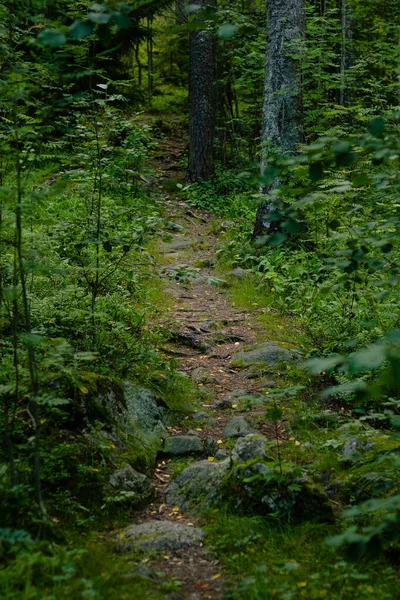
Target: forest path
205, 328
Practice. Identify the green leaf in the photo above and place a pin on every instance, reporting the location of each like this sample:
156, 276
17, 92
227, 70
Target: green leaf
32, 339
227, 31
274, 414
80, 29
316, 171
52, 38
377, 126
317, 365
277, 239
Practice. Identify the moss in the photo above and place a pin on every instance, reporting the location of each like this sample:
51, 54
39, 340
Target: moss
259, 488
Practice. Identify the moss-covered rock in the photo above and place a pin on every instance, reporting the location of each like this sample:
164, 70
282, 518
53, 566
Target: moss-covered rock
196, 488
257, 487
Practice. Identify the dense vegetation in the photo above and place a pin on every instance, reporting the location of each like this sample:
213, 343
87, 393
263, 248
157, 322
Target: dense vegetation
88, 94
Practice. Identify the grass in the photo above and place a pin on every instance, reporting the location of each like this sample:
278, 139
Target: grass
85, 568
247, 294
284, 561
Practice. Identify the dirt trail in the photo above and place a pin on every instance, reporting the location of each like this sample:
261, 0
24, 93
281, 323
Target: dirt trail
208, 329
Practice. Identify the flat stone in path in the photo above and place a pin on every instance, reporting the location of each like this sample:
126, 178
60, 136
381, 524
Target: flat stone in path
268, 353
237, 427
160, 535
183, 445
178, 244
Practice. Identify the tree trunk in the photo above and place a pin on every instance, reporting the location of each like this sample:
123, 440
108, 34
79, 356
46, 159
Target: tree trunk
201, 105
282, 113
346, 54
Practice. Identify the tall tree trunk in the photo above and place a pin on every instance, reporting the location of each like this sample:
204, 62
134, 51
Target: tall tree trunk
201, 105
346, 53
282, 113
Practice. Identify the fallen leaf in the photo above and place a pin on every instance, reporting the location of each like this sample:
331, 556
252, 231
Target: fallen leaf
210, 459
302, 584
216, 576
202, 586
219, 442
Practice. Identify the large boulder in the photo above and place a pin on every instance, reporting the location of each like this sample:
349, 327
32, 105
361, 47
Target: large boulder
196, 487
160, 535
130, 485
183, 445
268, 354
237, 427
257, 487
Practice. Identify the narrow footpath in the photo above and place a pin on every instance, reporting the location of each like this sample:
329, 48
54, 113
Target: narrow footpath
205, 330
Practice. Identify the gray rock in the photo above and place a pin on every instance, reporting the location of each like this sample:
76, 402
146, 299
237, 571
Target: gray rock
144, 409
129, 480
229, 399
268, 353
353, 447
251, 446
196, 487
183, 445
192, 432
239, 273
237, 427
224, 404
267, 385
201, 375
178, 244
221, 454
210, 446
161, 535
202, 416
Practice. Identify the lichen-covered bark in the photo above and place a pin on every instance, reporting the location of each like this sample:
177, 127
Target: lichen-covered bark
201, 105
281, 116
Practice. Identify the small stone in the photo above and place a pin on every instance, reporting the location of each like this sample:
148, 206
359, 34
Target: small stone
192, 432
221, 454
129, 480
251, 446
183, 445
268, 384
223, 404
202, 416
210, 445
268, 354
237, 427
201, 375
239, 273
353, 447
228, 400
160, 535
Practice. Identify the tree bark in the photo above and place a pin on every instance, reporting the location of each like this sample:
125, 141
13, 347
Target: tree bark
282, 107
346, 53
201, 105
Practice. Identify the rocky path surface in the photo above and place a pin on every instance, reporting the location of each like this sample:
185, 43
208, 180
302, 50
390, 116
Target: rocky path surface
205, 331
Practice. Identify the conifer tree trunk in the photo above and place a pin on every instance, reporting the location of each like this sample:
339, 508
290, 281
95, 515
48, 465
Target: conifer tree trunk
201, 105
346, 53
282, 114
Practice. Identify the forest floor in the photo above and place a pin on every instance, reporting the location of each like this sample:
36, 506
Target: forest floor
207, 329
